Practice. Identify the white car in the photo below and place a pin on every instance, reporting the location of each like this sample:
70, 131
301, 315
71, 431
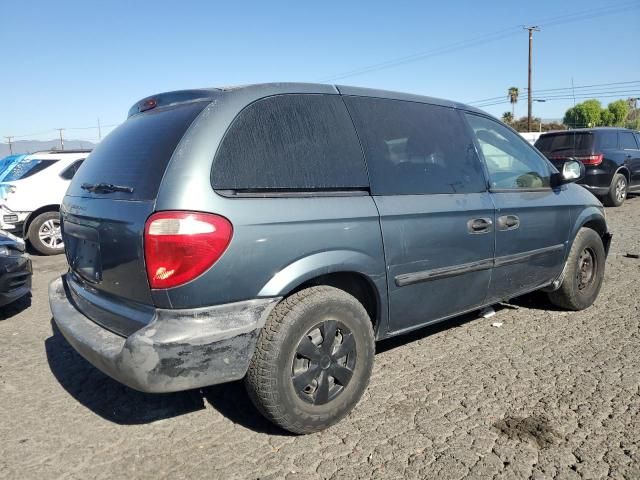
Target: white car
31, 193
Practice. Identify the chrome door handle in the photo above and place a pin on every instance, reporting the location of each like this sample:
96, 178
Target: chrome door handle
479, 225
508, 222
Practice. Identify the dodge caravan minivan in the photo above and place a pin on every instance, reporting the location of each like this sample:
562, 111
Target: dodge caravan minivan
275, 232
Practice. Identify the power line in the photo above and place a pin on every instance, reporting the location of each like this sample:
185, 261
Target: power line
93, 127
543, 90
98, 127
35, 134
485, 38
627, 93
596, 95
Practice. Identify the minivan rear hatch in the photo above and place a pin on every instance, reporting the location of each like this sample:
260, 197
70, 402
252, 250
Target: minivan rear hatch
109, 201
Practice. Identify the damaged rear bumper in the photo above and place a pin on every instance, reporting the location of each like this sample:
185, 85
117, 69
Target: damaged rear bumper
178, 350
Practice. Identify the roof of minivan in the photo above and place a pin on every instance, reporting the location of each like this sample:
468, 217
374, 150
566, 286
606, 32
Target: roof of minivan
259, 90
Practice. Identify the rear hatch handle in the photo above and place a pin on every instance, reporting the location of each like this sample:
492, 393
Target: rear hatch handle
105, 188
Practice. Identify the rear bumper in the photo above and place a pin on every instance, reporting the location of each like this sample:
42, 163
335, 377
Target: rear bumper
178, 350
597, 180
596, 190
15, 278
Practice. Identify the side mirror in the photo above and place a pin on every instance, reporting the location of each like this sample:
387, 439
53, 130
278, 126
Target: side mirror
570, 171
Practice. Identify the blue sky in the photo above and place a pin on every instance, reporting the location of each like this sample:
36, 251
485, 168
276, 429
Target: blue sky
66, 63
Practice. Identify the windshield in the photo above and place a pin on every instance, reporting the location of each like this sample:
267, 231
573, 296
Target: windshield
566, 142
27, 167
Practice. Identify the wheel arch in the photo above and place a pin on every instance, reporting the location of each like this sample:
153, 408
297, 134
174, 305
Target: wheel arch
353, 272
593, 219
624, 171
33, 215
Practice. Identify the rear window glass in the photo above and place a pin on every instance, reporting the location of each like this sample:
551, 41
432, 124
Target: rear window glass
26, 168
137, 153
291, 142
561, 142
415, 148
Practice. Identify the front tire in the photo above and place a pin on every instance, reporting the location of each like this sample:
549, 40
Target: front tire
313, 360
584, 272
44, 234
617, 192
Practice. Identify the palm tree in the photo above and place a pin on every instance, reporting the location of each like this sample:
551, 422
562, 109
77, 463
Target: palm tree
507, 117
512, 95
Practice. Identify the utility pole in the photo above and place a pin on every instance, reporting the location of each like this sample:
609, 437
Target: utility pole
531, 30
61, 140
10, 146
99, 130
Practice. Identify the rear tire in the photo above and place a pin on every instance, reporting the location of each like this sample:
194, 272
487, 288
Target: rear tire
617, 192
313, 360
44, 234
584, 272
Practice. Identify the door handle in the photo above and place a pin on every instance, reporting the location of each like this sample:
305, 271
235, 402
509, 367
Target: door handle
479, 225
508, 222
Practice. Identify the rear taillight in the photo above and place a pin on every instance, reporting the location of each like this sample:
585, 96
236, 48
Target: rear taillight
179, 246
595, 159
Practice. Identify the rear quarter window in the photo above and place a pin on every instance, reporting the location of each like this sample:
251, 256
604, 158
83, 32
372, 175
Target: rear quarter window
71, 170
415, 148
627, 141
607, 140
137, 153
290, 142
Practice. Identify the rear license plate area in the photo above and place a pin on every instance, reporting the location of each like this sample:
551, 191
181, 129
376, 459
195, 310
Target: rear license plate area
82, 246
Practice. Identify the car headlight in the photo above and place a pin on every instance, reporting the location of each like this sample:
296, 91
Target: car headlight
4, 251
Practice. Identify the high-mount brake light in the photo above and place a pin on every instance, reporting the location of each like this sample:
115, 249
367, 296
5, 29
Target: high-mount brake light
180, 246
148, 105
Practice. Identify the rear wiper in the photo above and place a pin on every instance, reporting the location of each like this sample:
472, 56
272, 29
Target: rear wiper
105, 188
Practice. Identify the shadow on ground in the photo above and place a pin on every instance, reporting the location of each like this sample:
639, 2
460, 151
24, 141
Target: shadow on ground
122, 405
535, 301
14, 308
125, 406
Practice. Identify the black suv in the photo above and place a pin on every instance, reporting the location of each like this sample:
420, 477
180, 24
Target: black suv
611, 157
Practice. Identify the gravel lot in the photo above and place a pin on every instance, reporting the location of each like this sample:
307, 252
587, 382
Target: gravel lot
550, 394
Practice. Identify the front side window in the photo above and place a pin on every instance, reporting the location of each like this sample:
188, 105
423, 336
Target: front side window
627, 141
291, 142
415, 148
512, 163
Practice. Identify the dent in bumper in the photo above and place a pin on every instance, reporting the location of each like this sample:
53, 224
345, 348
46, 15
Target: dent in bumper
178, 350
